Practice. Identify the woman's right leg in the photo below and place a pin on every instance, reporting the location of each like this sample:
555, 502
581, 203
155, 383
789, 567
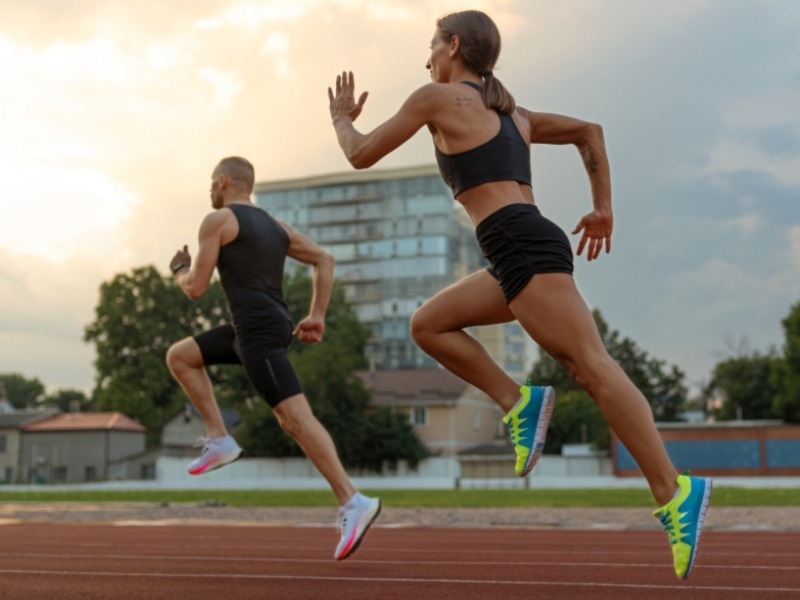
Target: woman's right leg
438, 328
552, 311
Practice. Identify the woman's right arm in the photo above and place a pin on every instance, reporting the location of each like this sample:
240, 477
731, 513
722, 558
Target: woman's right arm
363, 150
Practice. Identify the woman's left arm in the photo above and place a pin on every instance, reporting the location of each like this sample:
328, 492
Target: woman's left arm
363, 150
596, 226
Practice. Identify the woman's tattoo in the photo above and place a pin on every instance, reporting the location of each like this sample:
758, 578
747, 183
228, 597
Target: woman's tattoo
589, 160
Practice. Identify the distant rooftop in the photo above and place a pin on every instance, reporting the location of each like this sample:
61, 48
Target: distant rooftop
19, 418
413, 386
86, 422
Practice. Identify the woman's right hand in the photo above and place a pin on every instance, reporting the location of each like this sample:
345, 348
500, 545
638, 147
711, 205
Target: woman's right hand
342, 103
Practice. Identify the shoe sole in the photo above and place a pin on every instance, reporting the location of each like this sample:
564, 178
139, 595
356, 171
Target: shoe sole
213, 466
700, 518
360, 537
545, 412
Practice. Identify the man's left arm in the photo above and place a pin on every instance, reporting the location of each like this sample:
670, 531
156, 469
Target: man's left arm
307, 251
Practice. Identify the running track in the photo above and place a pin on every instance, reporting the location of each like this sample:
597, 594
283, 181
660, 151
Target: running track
110, 562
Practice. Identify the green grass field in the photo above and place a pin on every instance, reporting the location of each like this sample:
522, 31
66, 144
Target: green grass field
568, 498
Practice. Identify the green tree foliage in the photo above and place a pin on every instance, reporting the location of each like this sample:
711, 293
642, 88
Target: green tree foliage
743, 383
138, 316
68, 400
663, 387
20, 391
390, 436
786, 372
576, 420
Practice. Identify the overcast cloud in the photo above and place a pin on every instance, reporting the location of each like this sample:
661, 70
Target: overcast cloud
114, 113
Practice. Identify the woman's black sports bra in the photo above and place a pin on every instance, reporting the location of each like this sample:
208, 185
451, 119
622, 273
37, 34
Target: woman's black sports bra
506, 157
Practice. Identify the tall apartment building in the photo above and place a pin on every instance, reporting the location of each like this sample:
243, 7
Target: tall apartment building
398, 237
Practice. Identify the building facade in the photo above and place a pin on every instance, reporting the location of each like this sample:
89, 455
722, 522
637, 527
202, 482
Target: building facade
398, 237
447, 414
77, 447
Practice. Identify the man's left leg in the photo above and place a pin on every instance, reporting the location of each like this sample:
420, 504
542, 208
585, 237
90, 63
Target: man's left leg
185, 361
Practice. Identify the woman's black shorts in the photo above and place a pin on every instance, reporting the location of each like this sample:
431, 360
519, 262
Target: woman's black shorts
519, 243
267, 365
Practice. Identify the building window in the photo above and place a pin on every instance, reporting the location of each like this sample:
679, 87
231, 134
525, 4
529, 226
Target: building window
419, 416
149, 471
2, 443
476, 419
9, 475
59, 473
91, 473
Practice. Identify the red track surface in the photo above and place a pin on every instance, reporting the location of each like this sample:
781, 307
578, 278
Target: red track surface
109, 562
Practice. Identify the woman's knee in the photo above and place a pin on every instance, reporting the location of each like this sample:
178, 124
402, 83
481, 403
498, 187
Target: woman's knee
420, 326
591, 372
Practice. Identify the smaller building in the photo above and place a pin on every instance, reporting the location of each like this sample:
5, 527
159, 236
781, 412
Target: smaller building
447, 413
11, 423
180, 438
77, 447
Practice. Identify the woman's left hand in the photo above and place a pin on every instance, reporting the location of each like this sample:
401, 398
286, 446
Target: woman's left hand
596, 228
343, 103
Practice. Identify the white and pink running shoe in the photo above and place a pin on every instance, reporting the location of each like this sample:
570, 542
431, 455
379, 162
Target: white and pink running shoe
355, 517
216, 453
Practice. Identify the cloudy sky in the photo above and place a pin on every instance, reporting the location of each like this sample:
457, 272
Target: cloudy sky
114, 112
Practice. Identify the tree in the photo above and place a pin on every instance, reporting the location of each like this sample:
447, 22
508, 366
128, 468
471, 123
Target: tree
388, 437
786, 372
20, 391
68, 400
138, 316
576, 420
663, 387
743, 383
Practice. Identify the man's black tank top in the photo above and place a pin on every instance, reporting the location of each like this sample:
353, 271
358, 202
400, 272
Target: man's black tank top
506, 157
251, 269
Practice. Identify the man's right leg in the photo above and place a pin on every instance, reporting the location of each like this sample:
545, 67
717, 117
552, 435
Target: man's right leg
356, 511
296, 418
185, 361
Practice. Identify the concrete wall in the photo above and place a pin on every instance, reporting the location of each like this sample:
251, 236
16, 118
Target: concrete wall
433, 473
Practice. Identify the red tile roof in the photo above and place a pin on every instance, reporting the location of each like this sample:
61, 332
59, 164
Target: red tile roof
86, 421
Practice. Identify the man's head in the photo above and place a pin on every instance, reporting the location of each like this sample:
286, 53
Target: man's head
233, 178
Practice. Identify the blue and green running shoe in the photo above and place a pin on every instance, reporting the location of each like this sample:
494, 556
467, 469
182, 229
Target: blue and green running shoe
527, 424
682, 518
